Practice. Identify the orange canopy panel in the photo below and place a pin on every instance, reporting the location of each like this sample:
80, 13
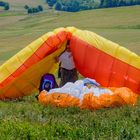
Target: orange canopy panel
120, 96
94, 56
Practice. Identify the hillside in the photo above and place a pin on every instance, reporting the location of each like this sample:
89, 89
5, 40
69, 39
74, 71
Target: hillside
18, 5
23, 29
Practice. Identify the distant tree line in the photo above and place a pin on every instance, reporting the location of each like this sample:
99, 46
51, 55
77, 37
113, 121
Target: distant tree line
78, 5
5, 5
31, 10
117, 3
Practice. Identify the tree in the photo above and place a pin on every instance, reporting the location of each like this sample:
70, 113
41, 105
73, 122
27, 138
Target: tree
40, 8
131, 2
6, 7
77, 5
30, 10
101, 3
114, 3
26, 6
72, 6
58, 6
122, 3
51, 3
35, 10
2, 3
107, 3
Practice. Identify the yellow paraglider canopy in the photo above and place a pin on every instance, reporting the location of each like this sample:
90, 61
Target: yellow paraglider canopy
94, 56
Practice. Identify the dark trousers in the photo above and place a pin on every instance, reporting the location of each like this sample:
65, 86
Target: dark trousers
68, 76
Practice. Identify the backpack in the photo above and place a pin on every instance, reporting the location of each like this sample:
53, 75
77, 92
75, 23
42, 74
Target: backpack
47, 82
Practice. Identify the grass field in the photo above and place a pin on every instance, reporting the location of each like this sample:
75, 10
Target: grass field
26, 119
18, 5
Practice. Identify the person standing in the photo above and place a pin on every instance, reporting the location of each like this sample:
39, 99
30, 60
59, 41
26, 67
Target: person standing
68, 72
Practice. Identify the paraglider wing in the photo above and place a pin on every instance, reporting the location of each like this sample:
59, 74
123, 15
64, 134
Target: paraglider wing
107, 62
94, 56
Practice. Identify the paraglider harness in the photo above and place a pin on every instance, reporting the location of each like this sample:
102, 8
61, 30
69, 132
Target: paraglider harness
47, 82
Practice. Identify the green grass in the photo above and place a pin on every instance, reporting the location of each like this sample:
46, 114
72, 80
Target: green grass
9, 13
27, 119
